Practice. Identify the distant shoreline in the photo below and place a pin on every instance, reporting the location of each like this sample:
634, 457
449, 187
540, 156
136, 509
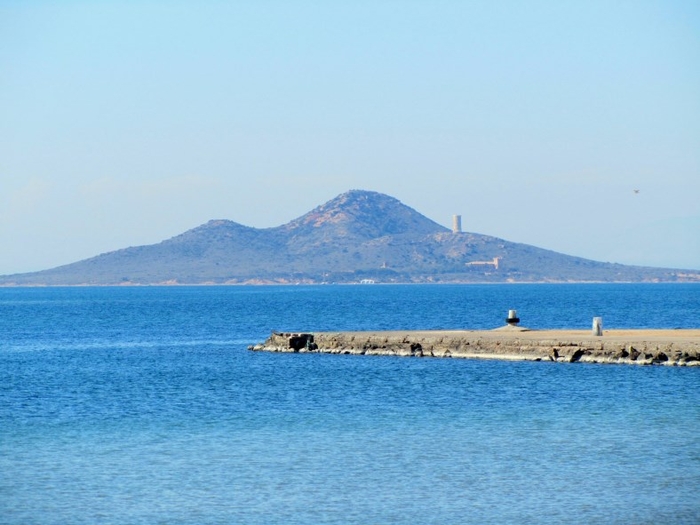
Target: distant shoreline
253, 284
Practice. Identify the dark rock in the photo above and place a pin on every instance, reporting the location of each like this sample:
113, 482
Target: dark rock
660, 358
416, 349
577, 355
298, 341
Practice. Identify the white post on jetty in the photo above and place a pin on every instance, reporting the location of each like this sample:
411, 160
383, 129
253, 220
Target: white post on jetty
512, 318
597, 326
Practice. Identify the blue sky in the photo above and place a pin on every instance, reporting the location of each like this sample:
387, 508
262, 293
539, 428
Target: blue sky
125, 123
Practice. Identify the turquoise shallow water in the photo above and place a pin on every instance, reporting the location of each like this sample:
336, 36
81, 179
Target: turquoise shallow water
142, 405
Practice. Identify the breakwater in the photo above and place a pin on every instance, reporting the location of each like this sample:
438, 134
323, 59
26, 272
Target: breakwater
641, 347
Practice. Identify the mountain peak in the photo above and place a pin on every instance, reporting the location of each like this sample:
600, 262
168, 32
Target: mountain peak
364, 214
355, 236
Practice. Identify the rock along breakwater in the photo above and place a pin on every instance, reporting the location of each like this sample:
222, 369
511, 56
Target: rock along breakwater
641, 347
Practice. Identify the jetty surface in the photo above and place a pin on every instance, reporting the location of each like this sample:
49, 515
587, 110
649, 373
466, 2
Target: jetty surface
641, 347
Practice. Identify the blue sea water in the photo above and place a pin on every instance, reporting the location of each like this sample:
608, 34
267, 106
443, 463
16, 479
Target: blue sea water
143, 405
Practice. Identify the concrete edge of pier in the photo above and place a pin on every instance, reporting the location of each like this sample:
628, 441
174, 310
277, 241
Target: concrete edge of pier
640, 347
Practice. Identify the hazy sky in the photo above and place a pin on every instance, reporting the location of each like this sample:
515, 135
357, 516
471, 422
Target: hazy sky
126, 123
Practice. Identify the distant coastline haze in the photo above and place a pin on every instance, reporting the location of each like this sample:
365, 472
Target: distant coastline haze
359, 237
573, 127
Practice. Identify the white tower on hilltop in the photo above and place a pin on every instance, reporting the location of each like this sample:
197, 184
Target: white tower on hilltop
456, 224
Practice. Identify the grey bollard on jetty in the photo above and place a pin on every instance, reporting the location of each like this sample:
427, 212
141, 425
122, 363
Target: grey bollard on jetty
513, 318
597, 326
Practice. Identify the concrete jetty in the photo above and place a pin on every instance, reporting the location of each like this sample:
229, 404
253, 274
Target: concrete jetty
641, 347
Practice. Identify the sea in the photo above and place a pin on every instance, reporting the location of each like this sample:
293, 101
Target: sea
143, 405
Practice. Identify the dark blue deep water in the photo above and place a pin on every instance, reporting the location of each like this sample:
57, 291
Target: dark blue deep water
143, 406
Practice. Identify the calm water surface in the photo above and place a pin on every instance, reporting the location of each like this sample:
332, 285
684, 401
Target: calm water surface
142, 405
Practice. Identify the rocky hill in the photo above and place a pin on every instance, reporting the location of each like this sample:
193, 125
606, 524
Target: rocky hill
359, 235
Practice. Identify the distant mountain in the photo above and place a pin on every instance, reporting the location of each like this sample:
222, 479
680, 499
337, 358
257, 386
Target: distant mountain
359, 235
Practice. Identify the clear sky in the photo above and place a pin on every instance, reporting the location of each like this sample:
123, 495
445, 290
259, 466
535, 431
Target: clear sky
128, 122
